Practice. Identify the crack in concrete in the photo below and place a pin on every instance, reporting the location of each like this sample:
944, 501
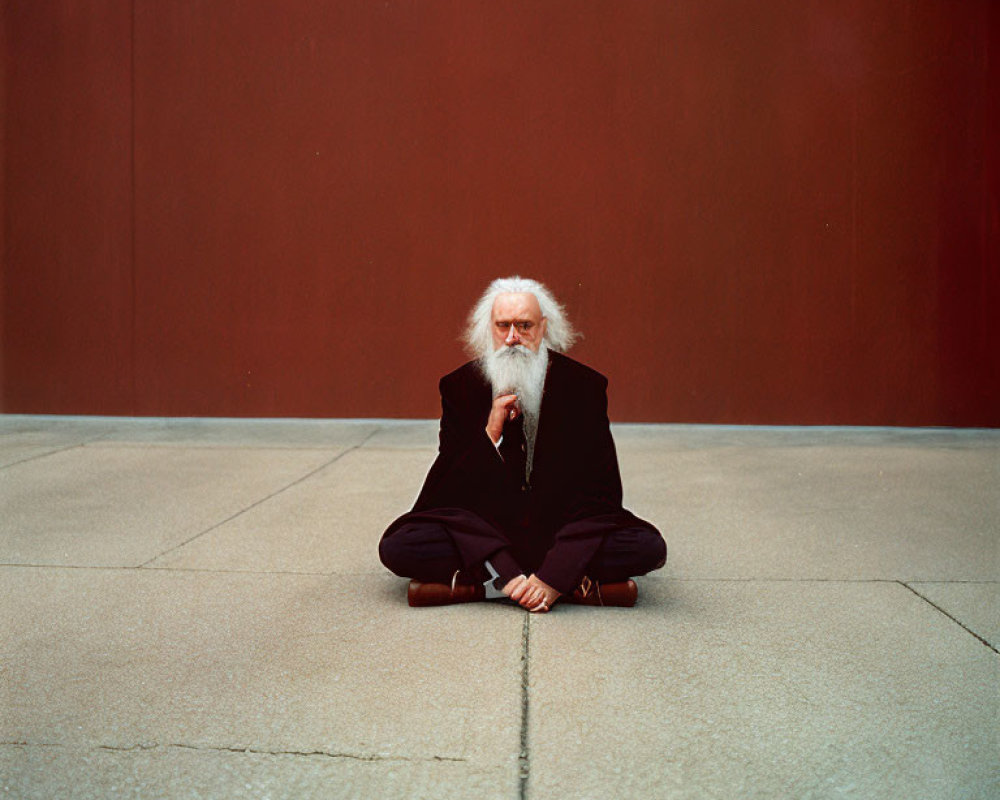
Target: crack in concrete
263, 500
143, 746
372, 757
524, 759
954, 619
29, 744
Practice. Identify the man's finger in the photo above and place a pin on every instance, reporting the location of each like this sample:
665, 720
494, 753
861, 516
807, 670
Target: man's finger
518, 591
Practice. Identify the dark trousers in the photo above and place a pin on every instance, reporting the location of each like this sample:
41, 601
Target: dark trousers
426, 551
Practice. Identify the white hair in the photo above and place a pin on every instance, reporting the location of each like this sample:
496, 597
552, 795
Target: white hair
559, 333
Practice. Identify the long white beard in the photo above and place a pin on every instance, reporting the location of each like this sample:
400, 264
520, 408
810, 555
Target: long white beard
518, 370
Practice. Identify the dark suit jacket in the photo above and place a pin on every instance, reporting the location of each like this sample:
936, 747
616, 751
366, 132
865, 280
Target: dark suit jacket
575, 489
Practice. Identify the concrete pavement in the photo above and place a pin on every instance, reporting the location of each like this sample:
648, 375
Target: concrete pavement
195, 609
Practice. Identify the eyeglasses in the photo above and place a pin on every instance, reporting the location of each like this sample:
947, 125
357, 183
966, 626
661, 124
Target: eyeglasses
522, 325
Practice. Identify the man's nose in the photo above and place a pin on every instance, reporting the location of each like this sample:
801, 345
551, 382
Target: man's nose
512, 337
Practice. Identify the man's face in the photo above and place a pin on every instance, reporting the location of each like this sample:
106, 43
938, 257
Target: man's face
517, 319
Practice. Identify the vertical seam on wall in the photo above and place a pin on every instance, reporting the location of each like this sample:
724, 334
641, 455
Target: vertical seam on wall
4, 236
855, 254
132, 266
984, 214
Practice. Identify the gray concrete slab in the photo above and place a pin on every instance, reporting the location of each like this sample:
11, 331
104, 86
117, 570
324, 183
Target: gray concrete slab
148, 671
721, 689
974, 605
72, 773
70, 428
121, 506
16, 448
641, 436
248, 643
330, 523
23, 438
844, 512
290, 433
63, 431
421, 434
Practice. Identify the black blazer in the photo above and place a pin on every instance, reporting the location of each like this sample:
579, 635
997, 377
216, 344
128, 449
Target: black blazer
575, 472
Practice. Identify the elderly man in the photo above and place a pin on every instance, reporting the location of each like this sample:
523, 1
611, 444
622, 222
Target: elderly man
524, 500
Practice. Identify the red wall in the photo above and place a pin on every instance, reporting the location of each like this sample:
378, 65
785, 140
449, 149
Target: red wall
780, 212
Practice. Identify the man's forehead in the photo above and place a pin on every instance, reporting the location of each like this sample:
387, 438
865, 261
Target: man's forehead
516, 304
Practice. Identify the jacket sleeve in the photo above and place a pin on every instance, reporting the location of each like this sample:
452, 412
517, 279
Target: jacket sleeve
597, 488
467, 465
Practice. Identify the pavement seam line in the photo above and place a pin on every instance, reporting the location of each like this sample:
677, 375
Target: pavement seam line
85, 443
46, 455
960, 624
524, 759
263, 500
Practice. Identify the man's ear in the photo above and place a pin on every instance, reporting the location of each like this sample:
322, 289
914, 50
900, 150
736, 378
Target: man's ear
541, 329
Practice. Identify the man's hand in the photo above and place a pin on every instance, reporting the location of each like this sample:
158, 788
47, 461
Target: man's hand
504, 408
531, 593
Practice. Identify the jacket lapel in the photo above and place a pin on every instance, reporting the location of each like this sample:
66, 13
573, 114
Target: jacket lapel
548, 420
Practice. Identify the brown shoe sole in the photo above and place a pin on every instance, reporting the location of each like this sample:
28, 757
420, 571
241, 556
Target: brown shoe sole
441, 594
622, 595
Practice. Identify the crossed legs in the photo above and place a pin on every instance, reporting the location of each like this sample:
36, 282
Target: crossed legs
426, 551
